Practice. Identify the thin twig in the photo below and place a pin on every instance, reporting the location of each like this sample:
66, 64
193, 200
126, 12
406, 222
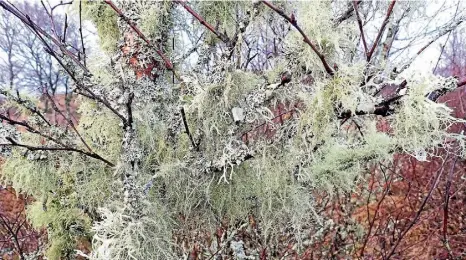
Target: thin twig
361, 30
186, 127
71, 74
371, 222
70, 122
441, 32
65, 27
46, 148
445, 206
22, 102
81, 33
392, 32
382, 29
31, 129
446, 40
25, 19
346, 15
129, 110
61, 4
418, 213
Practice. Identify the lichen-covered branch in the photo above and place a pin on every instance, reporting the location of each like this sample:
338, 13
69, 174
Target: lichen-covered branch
224, 38
167, 62
291, 19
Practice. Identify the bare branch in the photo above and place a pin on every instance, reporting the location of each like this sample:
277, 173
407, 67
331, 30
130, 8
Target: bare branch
81, 33
25, 104
440, 32
392, 32
445, 205
25, 19
418, 213
346, 15
186, 127
61, 4
64, 28
382, 29
70, 122
361, 30
64, 147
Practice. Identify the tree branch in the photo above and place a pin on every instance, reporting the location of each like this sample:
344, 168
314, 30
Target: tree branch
440, 32
446, 202
46, 148
70, 122
79, 84
346, 15
81, 33
361, 30
382, 29
224, 38
293, 22
25, 19
23, 102
168, 64
186, 127
48, 137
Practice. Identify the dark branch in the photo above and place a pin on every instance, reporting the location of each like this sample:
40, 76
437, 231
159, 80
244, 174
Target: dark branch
186, 127
46, 148
361, 30
23, 102
346, 15
64, 147
129, 110
418, 213
81, 33
25, 19
70, 122
382, 29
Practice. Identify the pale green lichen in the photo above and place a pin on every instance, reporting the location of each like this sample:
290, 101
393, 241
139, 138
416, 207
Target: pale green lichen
312, 152
420, 123
155, 18
105, 19
65, 225
314, 21
118, 237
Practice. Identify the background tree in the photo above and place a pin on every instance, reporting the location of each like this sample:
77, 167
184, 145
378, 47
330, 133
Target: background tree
28, 65
452, 62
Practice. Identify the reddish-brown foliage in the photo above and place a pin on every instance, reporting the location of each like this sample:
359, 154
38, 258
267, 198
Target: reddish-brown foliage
17, 237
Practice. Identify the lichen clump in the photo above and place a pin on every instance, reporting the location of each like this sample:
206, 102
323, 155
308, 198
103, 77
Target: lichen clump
220, 144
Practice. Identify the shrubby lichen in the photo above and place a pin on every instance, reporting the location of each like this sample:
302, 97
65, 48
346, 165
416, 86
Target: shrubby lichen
180, 154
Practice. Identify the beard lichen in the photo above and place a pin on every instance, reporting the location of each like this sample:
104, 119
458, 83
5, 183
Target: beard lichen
174, 173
